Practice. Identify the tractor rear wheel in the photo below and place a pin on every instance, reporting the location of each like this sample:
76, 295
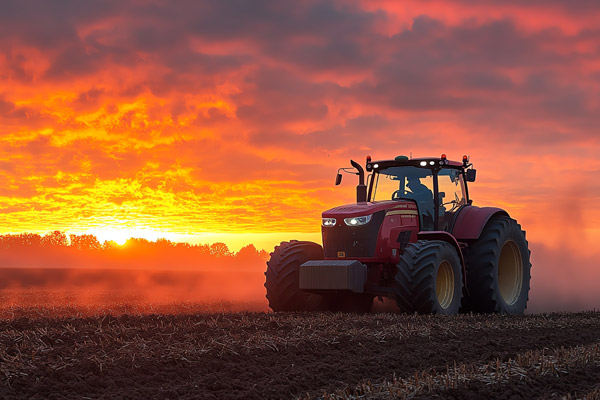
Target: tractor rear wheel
283, 275
498, 269
429, 278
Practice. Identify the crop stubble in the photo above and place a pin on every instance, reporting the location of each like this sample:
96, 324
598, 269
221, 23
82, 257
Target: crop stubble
258, 355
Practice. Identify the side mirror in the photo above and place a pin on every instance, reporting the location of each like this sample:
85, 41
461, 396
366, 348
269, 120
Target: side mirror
338, 179
471, 173
442, 194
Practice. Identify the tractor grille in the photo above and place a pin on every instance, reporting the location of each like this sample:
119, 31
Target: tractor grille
353, 241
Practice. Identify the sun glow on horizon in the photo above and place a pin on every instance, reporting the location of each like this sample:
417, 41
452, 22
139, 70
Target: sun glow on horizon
234, 241
122, 235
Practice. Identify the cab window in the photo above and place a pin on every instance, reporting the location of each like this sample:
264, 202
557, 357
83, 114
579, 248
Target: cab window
451, 189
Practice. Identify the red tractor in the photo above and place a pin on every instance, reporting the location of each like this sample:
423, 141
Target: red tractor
413, 236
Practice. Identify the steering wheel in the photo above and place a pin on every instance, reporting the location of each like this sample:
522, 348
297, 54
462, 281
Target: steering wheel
397, 194
455, 203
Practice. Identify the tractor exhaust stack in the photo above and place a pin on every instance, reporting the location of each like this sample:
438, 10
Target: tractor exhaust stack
361, 188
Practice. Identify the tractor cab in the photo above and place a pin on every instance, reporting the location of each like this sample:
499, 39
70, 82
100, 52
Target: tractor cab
436, 185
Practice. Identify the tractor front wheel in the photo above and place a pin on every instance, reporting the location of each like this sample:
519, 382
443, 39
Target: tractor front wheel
283, 275
498, 269
429, 278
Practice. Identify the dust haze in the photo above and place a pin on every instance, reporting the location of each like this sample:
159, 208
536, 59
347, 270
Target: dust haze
97, 289
562, 280
141, 276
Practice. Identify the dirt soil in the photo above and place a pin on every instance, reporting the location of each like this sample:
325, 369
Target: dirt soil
262, 355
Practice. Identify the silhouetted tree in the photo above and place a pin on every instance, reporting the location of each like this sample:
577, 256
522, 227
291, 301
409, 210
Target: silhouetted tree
165, 243
137, 243
85, 242
203, 249
110, 245
219, 250
55, 239
248, 251
85, 250
29, 239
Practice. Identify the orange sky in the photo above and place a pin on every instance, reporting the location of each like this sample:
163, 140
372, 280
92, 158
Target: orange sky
226, 121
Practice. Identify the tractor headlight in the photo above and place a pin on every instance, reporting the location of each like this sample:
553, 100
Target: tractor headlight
328, 221
357, 221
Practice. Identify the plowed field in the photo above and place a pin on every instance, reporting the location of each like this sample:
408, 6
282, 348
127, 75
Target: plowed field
260, 355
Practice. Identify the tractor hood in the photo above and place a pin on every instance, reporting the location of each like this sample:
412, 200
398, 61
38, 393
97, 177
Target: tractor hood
368, 208
346, 235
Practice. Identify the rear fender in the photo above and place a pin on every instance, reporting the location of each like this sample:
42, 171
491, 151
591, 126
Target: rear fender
448, 238
471, 220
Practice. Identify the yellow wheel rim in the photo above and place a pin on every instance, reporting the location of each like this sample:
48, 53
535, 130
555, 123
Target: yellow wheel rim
510, 272
444, 284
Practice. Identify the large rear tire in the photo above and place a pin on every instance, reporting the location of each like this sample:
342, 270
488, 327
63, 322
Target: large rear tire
429, 278
283, 275
498, 269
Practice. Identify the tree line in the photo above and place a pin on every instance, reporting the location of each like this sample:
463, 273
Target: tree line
57, 249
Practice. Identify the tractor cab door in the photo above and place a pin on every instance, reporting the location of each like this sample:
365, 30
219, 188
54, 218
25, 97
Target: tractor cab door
452, 196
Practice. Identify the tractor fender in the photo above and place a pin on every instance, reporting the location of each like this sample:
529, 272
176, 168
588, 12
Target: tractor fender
471, 220
448, 238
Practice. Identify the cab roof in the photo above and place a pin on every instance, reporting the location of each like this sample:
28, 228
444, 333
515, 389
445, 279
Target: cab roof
422, 162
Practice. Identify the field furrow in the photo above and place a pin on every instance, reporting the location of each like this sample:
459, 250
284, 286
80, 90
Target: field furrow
537, 373
263, 355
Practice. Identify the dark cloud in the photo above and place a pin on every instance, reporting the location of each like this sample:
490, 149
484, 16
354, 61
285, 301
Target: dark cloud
88, 100
351, 135
487, 81
579, 8
281, 52
165, 30
271, 21
429, 66
6, 106
279, 97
